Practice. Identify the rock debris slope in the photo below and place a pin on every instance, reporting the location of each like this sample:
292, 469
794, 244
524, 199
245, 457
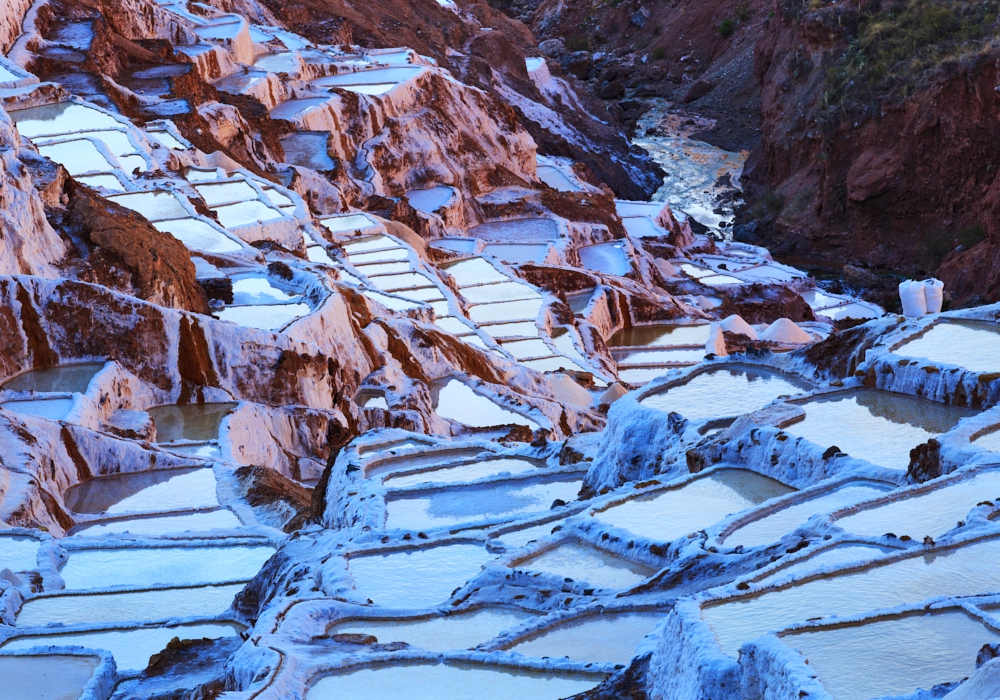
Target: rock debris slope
333, 365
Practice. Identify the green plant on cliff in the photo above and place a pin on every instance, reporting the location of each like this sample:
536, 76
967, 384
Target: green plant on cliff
893, 46
727, 27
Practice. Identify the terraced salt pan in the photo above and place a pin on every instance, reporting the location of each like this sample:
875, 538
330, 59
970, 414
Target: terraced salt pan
388, 579
839, 556
640, 376
660, 335
970, 345
553, 364
189, 421
516, 253
226, 192
459, 505
460, 403
138, 606
284, 62
399, 254
158, 526
109, 182
437, 458
293, 109
431, 199
522, 329
581, 562
448, 682
47, 676
244, 213
383, 76
499, 291
441, 633
208, 451
155, 206
607, 638
474, 271
524, 535
516, 231
693, 506
61, 118
359, 223
78, 156
131, 648
460, 473
724, 392
264, 317
527, 309
642, 227
401, 282
258, 290
69, 378
878, 426
159, 490
554, 177
682, 356
608, 258
18, 553
308, 149
50, 409
527, 349
927, 649
966, 570
97, 569
933, 512
772, 526
196, 234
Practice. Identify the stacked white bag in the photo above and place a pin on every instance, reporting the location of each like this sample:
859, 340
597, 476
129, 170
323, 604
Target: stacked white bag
921, 298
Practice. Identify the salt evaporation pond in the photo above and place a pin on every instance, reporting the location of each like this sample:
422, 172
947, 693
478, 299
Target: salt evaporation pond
878, 426
522, 536
460, 403
95, 569
523, 310
18, 553
693, 506
388, 579
516, 230
463, 630
660, 335
926, 649
308, 149
198, 235
517, 253
961, 571
474, 271
554, 177
634, 357
196, 422
111, 608
459, 505
158, 526
463, 472
46, 676
581, 562
148, 491
449, 682
932, 512
130, 647
724, 392
68, 378
430, 458
50, 409
61, 118
606, 638
836, 557
970, 345
608, 258
431, 199
499, 291
774, 525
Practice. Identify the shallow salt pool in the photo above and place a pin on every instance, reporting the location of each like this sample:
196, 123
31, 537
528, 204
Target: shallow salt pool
609, 258
244, 213
388, 579
456, 506
431, 199
524, 310
459, 473
60, 118
772, 526
516, 230
449, 682
966, 570
932, 512
131, 647
678, 356
877, 426
138, 606
140, 492
156, 526
256, 290
554, 177
198, 235
155, 206
499, 291
606, 638
308, 149
189, 421
46, 676
724, 392
474, 271
516, 253
293, 109
460, 403
265, 317
660, 335
440, 633
836, 557
71, 378
18, 553
582, 562
50, 409
522, 536
926, 649
701, 502
970, 345
92, 569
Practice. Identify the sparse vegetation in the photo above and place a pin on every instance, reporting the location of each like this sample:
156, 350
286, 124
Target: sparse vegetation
659, 53
577, 43
727, 27
894, 45
970, 236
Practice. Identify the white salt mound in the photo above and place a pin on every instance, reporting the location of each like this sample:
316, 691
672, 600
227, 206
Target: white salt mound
785, 331
736, 324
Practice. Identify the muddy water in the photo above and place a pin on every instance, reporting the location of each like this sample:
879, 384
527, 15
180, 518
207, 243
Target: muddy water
189, 422
70, 378
659, 335
153, 491
927, 649
441, 633
448, 682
